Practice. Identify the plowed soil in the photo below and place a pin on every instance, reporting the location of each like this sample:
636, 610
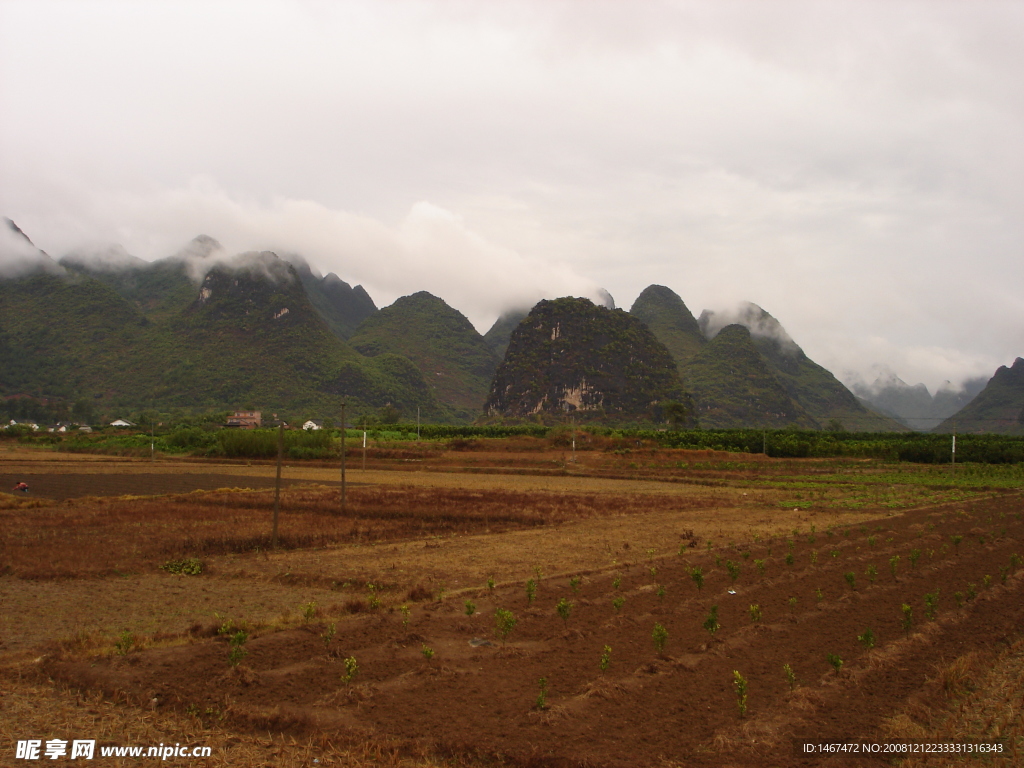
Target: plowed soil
477, 696
60, 487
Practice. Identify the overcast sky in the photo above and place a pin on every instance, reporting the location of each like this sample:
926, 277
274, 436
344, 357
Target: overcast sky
857, 169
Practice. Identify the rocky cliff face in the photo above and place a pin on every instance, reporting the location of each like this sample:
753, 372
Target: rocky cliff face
571, 357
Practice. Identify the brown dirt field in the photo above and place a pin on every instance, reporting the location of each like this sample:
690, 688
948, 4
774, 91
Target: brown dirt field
74, 486
475, 705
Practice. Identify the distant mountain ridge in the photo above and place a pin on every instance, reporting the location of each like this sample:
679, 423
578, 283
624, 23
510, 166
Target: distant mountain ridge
914, 405
761, 378
202, 329
129, 334
999, 407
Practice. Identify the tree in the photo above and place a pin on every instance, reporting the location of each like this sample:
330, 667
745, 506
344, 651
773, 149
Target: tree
677, 414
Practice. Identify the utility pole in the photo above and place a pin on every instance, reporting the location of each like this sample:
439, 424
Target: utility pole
364, 450
417, 422
343, 457
277, 484
573, 422
953, 462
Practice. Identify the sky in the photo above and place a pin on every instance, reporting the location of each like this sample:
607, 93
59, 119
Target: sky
854, 168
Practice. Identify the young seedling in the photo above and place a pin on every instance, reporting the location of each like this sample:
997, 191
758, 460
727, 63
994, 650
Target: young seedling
654, 571
814, 556
328, 635
505, 622
238, 652
405, 615
867, 639
789, 558
1015, 560
711, 621
972, 591
470, 607
124, 643
894, 562
914, 555
790, 676
872, 540
987, 581
606, 658
698, 577
908, 618
745, 554
819, 595
792, 603
959, 597
538, 573
851, 579
427, 651
755, 612
833, 553
531, 591
660, 637
308, 610
542, 698
733, 569
760, 566
617, 603
1004, 571
661, 592
351, 670
490, 583
564, 610
574, 584
931, 601
871, 572
956, 542
617, 582
740, 684
835, 661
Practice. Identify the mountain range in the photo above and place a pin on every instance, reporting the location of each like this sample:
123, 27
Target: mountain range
204, 330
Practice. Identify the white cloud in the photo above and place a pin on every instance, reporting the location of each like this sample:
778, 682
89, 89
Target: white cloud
854, 168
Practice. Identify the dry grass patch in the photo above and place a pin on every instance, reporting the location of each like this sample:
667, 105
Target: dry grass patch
93, 537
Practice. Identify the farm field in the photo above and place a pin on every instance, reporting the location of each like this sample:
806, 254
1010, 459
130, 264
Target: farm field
894, 593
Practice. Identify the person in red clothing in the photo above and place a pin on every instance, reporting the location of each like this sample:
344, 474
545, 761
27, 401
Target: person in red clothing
23, 487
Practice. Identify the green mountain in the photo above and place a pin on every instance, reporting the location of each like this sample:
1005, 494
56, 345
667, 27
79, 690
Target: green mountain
999, 407
734, 386
454, 358
130, 335
572, 357
498, 336
157, 289
662, 310
341, 306
820, 394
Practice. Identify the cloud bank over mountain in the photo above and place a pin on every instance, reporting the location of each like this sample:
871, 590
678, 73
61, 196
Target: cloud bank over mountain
853, 168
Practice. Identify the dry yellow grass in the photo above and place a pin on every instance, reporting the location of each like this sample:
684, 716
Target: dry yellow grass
33, 711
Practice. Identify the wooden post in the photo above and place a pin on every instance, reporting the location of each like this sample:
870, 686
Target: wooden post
343, 458
364, 452
277, 484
